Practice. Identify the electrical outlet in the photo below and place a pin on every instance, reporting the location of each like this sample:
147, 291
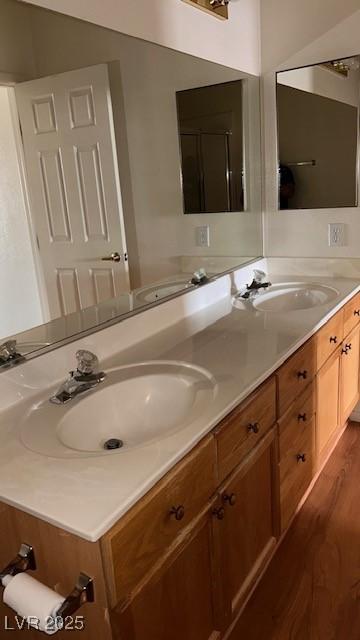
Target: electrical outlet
336, 234
203, 236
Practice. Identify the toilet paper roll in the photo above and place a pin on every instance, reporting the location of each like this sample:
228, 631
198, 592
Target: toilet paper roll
33, 601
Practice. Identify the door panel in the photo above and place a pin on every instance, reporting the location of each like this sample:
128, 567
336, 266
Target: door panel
73, 183
349, 385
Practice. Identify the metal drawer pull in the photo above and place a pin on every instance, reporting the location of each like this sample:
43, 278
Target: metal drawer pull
357, 312
302, 374
230, 498
302, 417
219, 513
348, 346
345, 351
333, 339
254, 427
178, 512
301, 457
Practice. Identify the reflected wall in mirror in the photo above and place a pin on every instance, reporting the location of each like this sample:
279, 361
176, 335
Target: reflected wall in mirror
92, 223
318, 117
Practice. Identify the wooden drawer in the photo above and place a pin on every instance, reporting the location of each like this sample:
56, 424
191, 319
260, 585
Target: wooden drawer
244, 427
351, 314
295, 375
297, 420
296, 475
139, 540
329, 337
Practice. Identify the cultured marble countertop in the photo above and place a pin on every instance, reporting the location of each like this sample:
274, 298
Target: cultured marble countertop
86, 496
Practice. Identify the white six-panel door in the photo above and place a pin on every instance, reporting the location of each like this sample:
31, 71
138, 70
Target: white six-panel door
73, 183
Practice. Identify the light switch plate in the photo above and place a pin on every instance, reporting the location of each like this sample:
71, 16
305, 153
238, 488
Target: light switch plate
336, 234
202, 235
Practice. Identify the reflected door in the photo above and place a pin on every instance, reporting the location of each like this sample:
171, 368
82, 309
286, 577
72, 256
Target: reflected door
73, 185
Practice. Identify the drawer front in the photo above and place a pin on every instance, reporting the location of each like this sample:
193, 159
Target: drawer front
351, 314
296, 474
297, 420
295, 375
329, 338
245, 427
143, 535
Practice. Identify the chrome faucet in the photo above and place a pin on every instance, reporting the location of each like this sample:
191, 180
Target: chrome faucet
9, 354
199, 277
256, 284
85, 377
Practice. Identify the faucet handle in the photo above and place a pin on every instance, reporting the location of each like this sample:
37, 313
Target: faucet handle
87, 362
259, 275
8, 351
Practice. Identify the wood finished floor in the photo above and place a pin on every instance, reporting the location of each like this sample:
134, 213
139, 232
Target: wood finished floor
311, 589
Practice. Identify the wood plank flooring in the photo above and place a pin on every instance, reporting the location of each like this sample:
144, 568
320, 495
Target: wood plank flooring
311, 589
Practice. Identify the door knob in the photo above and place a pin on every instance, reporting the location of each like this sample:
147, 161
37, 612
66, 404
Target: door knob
113, 257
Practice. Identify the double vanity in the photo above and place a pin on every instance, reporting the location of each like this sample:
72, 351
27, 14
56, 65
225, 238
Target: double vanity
172, 480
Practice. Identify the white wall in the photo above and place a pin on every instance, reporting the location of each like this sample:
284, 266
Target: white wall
20, 303
173, 23
306, 33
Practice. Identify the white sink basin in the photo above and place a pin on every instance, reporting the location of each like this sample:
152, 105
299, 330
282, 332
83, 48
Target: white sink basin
161, 290
136, 405
293, 297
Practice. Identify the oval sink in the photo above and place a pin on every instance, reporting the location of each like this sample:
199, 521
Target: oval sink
134, 406
157, 292
293, 297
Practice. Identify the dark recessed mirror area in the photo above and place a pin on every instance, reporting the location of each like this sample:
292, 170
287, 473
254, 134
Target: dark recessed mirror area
318, 128
106, 144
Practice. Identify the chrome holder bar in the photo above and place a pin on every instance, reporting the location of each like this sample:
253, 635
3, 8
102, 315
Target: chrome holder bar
24, 561
83, 592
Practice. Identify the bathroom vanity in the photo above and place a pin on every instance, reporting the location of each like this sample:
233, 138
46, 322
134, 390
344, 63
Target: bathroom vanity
183, 559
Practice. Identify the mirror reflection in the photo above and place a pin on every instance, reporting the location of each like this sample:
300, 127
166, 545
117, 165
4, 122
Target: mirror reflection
318, 115
93, 191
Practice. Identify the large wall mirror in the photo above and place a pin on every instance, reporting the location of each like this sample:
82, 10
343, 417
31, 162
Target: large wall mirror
318, 130
107, 143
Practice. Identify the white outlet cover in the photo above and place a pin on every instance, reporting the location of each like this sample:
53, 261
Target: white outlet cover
336, 234
202, 235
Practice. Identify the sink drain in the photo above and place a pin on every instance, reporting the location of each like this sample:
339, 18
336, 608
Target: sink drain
113, 443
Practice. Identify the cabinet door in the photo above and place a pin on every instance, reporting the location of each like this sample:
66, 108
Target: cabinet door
349, 375
247, 533
176, 603
328, 413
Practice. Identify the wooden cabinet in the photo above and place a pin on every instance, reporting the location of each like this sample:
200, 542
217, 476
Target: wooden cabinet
351, 314
349, 374
295, 375
329, 338
177, 602
237, 435
247, 532
328, 413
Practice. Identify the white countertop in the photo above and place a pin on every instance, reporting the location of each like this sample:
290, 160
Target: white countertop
86, 496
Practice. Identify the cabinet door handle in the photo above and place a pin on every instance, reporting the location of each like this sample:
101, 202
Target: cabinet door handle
344, 351
333, 339
254, 427
178, 512
230, 498
348, 346
301, 457
357, 312
302, 417
219, 513
302, 374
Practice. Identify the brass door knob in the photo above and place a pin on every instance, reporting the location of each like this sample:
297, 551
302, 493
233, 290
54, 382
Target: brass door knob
230, 498
219, 513
178, 512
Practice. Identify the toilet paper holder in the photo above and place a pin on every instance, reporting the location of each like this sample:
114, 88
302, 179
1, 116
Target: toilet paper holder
83, 591
24, 561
